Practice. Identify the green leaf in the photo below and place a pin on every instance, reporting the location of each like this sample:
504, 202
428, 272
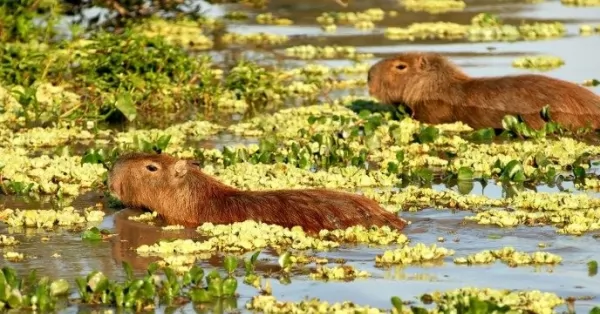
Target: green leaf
465, 187
545, 113
285, 260
397, 303
400, 156
229, 286
579, 172
428, 134
97, 282
509, 122
92, 234
513, 171
230, 263
199, 295
59, 287
392, 167
483, 135
592, 268
215, 286
128, 270
126, 106
163, 142
465, 174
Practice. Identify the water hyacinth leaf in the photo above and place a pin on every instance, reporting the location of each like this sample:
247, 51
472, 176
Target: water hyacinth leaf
400, 156
465, 187
230, 263
229, 286
199, 295
92, 234
509, 122
128, 270
170, 274
592, 268
152, 268
197, 274
428, 135
465, 174
97, 281
418, 310
15, 299
163, 142
579, 173
148, 290
364, 114
59, 287
541, 160
82, 287
126, 105
424, 174
215, 286
483, 135
312, 120
545, 113
285, 260
119, 295
514, 171
397, 303
392, 167
11, 277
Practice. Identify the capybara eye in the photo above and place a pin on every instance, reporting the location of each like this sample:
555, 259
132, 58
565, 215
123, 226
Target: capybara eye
401, 66
151, 168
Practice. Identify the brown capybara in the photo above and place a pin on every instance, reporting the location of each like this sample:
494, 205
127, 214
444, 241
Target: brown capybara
437, 91
181, 193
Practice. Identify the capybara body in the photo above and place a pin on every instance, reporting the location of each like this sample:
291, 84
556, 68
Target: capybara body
437, 91
181, 193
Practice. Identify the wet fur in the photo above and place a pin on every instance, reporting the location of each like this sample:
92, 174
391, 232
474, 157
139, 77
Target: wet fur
195, 198
437, 91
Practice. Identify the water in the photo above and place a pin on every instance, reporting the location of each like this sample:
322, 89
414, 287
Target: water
65, 255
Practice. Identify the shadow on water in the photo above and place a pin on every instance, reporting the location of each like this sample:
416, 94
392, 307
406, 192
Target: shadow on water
62, 253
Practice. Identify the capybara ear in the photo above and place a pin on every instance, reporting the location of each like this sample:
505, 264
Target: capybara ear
422, 63
180, 168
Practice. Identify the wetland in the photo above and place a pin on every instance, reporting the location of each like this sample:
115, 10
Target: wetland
275, 96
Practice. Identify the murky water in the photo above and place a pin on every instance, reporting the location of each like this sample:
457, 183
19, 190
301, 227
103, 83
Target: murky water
65, 255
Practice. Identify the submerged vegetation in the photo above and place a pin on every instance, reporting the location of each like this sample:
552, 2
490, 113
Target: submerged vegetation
166, 77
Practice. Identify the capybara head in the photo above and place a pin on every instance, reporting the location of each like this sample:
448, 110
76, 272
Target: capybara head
410, 77
141, 179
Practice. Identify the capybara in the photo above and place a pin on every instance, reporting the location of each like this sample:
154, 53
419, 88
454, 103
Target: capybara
437, 91
181, 193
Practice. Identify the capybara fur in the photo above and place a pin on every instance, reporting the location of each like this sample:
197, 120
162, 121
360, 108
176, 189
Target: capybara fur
181, 193
437, 91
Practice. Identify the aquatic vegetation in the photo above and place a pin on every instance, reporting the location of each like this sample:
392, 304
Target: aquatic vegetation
483, 27
580, 2
420, 253
509, 256
344, 272
135, 80
543, 63
434, 6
